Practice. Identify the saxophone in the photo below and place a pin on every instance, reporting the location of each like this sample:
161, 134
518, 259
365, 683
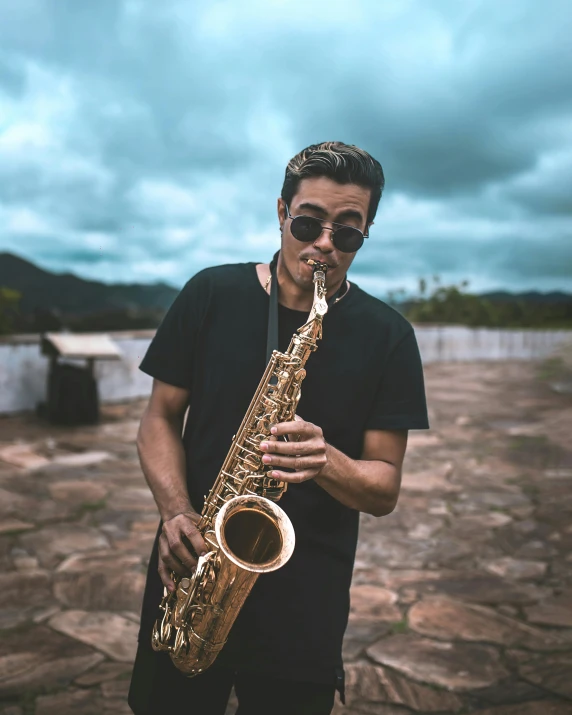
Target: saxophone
246, 532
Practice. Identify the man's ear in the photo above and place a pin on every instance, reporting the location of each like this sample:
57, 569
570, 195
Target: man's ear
281, 208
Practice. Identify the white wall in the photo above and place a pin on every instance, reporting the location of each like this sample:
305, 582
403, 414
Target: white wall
455, 343
23, 370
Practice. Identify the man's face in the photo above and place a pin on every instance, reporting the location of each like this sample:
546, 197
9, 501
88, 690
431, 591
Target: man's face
325, 199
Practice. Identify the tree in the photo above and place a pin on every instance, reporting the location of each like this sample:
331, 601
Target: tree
9, 300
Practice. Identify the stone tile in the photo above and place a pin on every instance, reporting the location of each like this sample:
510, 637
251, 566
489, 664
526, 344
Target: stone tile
38, 658
116, 707
374, 684
46, 612
360, 634
373, 603
556, 611
52, 543
430, 480
489, 589
13, 617
423, 439
446, 619
367, 709
537, 707
26, 563
396, 578
551, 672
103, 672
506, 692
485, 520
496, 499
536, 550
106, 631
100, 590
94, 583
78, 702
12, 710
81, 459
78, 492
133, 499
455, 666
421, 528
448, 551
23, 456
14, 526
516, 569
104, 560
394, 551
115, 689
19, 589
123, 432
19, 506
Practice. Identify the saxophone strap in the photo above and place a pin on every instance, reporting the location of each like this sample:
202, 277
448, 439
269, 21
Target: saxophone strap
272, 332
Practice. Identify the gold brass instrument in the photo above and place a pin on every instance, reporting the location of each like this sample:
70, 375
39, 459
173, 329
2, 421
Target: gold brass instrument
246, 531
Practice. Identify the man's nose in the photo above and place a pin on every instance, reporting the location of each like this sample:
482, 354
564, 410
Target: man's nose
324, 241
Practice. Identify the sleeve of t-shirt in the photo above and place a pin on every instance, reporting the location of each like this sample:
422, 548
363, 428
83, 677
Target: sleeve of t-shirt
170, 355
400, 398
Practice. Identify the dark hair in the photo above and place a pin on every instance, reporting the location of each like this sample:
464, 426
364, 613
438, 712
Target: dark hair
344, 163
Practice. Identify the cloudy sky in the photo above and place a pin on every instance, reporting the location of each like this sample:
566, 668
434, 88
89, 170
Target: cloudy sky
143, 141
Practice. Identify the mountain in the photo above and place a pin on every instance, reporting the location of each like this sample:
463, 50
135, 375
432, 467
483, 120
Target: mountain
69, 295
528, 297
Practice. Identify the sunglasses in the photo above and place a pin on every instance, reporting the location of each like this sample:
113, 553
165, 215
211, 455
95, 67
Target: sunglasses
346, 239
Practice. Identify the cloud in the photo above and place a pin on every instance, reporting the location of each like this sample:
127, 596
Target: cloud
145, 141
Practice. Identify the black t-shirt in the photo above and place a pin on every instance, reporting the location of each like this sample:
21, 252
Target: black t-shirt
365, 375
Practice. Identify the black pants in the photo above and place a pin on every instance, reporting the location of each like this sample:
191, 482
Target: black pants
158, 688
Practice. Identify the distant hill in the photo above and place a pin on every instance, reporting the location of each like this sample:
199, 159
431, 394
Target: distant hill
528, 297
51, 301
69, 294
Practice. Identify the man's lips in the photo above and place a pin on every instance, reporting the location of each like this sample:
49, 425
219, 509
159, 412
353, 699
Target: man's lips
318, 259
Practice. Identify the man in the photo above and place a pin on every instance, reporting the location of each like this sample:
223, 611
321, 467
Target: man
344, 452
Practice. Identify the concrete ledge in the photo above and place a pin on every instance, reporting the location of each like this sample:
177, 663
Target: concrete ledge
23, 369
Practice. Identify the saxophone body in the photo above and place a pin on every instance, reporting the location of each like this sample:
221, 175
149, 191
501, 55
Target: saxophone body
246, 532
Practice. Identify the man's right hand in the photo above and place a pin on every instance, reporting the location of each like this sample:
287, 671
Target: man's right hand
178, 539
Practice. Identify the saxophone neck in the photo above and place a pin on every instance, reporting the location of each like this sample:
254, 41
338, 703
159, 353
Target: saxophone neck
320, 305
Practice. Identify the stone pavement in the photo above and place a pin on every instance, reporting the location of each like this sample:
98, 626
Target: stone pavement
462, 598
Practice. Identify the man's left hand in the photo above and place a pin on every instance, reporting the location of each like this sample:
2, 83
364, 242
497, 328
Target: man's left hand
305, 452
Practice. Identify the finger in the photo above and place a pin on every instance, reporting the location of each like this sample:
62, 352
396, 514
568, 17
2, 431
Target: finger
311, 446
295, 477
165, 576
182, 552
175, 554
297, 462
196, 540
297, 427
171, 563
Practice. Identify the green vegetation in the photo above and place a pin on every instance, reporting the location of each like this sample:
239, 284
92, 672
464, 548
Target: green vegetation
535, 452
9, 300
399, 627
93, 505
453, 304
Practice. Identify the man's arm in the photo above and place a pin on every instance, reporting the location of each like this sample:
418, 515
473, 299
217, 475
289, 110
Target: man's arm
162, 456
370, 484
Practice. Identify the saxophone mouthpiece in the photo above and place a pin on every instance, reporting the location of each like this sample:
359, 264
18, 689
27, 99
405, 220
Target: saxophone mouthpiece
317, 265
